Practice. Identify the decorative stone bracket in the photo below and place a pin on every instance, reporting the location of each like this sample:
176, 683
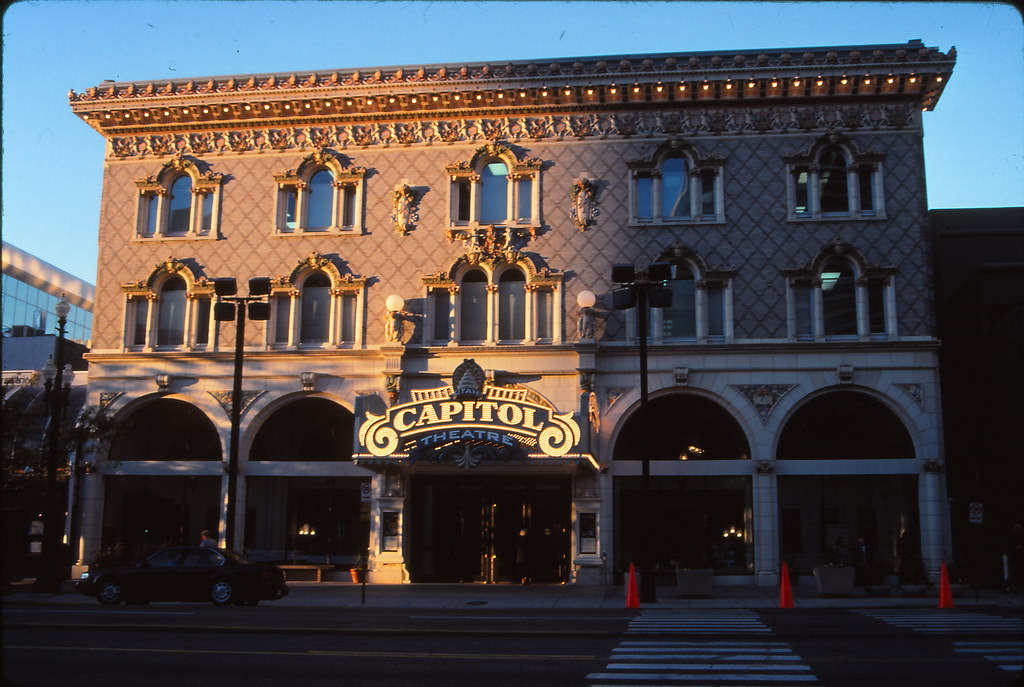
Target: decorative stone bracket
404, 213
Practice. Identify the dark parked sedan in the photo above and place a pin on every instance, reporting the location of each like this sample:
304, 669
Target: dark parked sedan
186, 573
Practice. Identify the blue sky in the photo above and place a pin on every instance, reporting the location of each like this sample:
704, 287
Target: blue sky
53, 162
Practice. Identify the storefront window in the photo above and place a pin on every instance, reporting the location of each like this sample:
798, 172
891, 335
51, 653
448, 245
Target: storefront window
689, 522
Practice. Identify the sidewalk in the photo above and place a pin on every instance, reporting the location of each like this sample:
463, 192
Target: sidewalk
508, 596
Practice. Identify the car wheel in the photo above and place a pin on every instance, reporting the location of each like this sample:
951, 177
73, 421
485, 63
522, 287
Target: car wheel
110, 592
222, 593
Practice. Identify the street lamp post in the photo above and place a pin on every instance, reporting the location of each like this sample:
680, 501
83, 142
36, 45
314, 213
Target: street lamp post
643, 288
57, 382
229, 307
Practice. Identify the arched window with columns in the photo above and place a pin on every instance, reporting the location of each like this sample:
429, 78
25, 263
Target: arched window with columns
169, 310
182, 200
495, 187
841, 296
317, 306
676, 184
833, 178
701, 308
493, 303
322, 194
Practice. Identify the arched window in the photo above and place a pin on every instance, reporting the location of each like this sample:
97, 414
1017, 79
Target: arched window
316, 308
494, 192
180, 206
310, 429
165, 429
675, 186
833, 185
320, 194
700, 430
172, 308
835, 180
473, 306
178, 201
842, 299
839, 298
701, 305
843, 425
171, 327
680, 320
495, 188
512, 306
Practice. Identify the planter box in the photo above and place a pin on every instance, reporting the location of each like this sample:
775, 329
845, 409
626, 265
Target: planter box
694, 582
834, 581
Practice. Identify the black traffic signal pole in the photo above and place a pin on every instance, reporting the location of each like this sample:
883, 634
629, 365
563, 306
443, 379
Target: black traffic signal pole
641, 283
259, 288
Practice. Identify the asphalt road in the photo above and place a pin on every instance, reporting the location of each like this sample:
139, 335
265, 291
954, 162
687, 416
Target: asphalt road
193, 644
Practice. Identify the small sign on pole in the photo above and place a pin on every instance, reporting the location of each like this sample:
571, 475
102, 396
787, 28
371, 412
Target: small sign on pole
976, 512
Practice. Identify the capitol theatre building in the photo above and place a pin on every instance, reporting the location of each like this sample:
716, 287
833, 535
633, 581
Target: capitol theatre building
459, 271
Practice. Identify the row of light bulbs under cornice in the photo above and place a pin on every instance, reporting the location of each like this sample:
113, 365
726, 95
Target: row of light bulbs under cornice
590, 91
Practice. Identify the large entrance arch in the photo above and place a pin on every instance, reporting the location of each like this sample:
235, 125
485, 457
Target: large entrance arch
303, 430
165, 429
143, 512
841, 425
843, 512
688, 521
314, 514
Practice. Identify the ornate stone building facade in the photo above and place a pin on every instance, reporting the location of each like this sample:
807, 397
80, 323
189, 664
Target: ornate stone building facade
444, 383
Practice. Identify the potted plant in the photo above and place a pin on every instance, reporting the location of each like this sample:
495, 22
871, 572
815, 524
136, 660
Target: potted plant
358, 569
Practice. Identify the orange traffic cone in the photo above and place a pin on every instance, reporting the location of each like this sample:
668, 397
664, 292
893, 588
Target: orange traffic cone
632, 596
785, 593
945, 594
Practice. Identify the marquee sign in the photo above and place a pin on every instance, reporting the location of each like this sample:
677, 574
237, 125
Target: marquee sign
471, 421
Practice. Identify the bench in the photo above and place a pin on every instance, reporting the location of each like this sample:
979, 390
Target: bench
302, 572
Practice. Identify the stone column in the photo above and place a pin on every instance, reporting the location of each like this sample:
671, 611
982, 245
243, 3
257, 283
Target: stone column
386, 563
766, 524
90, 527
931, 510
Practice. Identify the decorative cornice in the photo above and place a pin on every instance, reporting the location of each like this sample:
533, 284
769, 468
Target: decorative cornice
469, 102
801, 119
878, 58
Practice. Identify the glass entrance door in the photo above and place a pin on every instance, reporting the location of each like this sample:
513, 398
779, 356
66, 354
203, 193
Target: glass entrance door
490, 529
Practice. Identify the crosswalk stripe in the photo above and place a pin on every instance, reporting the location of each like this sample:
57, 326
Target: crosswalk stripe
718, 678
1008, 655
943, 621
678, 660
704, 666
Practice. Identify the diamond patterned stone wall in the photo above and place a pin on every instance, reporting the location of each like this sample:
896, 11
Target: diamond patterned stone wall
756, 237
